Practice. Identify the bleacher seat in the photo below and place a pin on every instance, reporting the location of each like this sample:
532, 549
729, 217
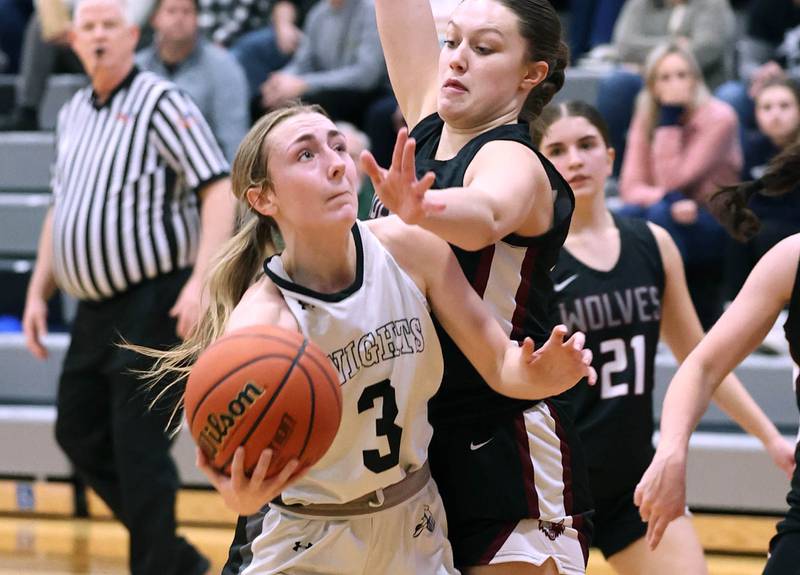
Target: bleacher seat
25, 160
25, 380
580, 84
60, 88
7, 92
723, 467
21, 217
767, 378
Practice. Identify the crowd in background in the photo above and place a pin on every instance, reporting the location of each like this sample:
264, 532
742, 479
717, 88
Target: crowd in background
697, 93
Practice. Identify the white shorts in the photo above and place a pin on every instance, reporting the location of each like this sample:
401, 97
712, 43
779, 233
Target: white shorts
408, 539
534, 541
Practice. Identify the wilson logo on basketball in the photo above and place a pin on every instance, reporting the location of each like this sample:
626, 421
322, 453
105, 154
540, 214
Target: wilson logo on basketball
215, 432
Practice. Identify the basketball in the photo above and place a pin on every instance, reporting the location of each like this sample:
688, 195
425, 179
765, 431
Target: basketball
263, 387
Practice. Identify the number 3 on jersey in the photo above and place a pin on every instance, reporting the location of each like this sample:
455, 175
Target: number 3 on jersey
619, 363
384, 425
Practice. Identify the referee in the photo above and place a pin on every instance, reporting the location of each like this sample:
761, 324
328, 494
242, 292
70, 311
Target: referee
124, 236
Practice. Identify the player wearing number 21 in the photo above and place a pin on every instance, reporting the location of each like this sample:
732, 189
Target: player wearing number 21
362, 292
621, 281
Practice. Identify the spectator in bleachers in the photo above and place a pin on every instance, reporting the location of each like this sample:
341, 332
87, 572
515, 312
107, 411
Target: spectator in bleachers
224, 21
265, 50
46, 53
208, 73
769, 50
591, 24
124, 236
705, 27
339, 63
777, 110
15, 14
39, 59
682, 145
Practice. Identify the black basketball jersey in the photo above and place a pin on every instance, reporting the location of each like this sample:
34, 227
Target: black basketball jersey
512, 276
620, 312
792, 330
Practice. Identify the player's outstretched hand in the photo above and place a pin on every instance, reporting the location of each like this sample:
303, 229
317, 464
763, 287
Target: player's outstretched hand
246, 495
553, 368
398, 187
661, 494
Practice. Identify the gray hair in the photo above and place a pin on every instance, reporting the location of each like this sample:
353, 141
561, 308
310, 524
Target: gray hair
124, 7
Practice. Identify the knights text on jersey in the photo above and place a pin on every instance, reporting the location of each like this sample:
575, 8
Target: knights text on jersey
512, 276
620, 312
379, 335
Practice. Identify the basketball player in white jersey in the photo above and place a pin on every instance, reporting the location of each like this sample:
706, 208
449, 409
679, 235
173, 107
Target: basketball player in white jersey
361, 292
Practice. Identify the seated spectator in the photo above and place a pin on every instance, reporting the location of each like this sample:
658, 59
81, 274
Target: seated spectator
770, 50
345, 81
208, 73
777, 112
12, 25
705, 27
225, 21
265, 50
41, 57
682, 145
591, 24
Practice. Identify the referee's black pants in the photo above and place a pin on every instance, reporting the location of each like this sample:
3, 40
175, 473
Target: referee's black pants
115, 442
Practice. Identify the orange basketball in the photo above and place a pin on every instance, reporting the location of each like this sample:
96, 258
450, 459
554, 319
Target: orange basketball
261, 387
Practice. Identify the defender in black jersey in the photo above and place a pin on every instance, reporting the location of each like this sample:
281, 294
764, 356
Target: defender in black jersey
773, 285
485, 452
511, 473
620, 281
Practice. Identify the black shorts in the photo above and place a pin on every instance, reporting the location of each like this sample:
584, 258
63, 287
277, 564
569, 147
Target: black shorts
617, 523
784, 549
495, 476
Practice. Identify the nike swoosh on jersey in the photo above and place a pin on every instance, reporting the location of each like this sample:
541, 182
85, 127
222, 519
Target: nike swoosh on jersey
476, 446
561, 285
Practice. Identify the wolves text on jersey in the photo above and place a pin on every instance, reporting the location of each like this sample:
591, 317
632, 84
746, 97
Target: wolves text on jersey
596, 312
391, 340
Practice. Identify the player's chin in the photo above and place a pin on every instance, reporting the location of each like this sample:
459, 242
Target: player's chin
344, 208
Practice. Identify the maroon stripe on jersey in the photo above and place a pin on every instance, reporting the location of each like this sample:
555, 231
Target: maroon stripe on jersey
566, 459
579, 523
498, 541
526, 459
482, 272
523, 293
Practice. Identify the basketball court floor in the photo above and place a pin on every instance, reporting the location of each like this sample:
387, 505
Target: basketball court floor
48, 541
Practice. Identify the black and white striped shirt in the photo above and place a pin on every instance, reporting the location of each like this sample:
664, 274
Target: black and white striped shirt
124, 207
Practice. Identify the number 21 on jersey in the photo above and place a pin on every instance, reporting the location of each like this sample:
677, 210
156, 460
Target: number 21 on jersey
619, 363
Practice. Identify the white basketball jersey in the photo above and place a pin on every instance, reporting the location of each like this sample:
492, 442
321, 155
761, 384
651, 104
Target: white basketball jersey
379, 335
